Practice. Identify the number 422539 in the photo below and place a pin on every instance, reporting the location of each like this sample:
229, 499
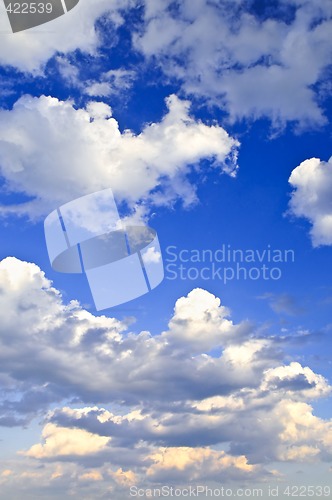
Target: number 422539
29, 8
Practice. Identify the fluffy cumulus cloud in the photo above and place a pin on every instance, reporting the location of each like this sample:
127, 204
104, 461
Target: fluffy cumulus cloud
312, 198
198, 463
158, 409
53, 153
127, 367
67, 442
255, 58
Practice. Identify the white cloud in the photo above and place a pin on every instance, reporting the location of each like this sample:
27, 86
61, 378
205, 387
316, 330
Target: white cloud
99, 89
68, 71
124, 478
197, 464
304, 436
67, 442
152, 255
51, 348
200, 323
91, 476
172, 403
312, 198
6, 473
294, 377
48, 349
30, 50
49, 150
254, 66
69, 480
111, 82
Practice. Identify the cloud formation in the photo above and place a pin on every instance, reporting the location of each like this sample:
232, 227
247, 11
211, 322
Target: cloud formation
256, 59
158, 408
312, 198
252, 60
30, 50
127, 367
53, 153
67, 442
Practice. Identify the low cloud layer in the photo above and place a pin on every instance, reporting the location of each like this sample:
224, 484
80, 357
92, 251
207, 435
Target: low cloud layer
158, 408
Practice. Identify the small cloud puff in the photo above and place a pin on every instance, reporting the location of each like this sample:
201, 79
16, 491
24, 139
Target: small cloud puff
312, 198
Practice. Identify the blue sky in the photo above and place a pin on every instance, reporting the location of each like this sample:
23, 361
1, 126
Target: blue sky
211, 122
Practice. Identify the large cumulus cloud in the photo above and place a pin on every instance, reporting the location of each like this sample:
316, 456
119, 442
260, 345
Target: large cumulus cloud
53, 153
